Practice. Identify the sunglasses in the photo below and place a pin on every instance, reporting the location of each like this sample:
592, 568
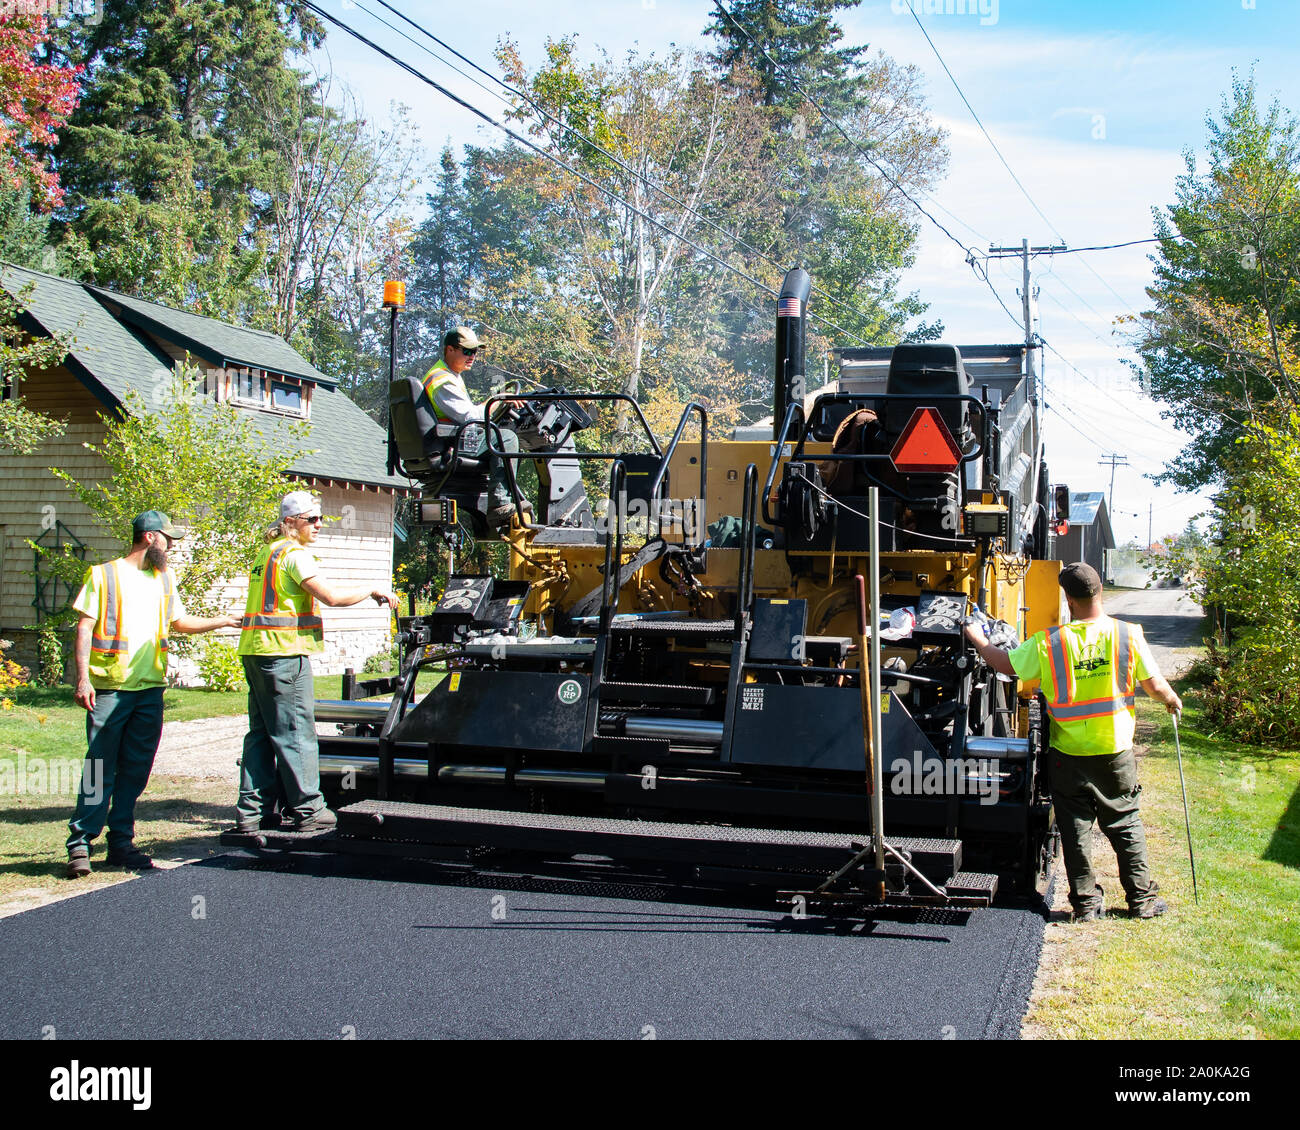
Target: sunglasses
467, 352
314, 519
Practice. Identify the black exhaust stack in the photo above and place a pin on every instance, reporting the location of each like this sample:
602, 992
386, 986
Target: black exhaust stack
791, 310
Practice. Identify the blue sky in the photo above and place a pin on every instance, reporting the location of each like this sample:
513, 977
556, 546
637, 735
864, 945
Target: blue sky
1091, 103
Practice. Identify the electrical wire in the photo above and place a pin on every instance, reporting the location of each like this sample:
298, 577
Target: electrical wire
548, 116
513, 135
840, 504
1024, 191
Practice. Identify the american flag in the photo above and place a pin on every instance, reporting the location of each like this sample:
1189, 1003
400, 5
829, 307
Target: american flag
787, 307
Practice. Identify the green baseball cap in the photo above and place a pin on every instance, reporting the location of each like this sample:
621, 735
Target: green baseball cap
155, 520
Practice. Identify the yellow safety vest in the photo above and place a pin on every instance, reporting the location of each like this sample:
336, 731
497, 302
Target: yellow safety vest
434, 379
281, 617
1077, 701
109, 652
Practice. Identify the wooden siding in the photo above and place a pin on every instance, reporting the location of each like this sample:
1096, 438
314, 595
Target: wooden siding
33, 498
354, 548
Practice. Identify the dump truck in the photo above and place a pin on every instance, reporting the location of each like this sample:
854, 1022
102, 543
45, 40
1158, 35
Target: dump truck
745, 664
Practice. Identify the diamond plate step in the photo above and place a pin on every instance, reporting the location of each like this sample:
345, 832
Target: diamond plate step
757, 848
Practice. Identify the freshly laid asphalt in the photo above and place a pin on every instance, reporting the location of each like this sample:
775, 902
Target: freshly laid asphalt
310, 948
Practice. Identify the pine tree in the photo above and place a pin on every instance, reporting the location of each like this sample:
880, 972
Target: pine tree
170, 145
789, 44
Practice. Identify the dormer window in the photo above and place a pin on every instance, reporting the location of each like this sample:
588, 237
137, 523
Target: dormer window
267, 392
247, 387
287, 398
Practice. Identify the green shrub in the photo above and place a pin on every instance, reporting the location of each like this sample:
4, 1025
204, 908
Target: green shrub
381, 663
220, 666
50, 653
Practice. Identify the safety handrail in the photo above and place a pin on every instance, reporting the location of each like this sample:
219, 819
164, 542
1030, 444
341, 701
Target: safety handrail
549, 396
613, 544
701, 525
745, 579
795, 406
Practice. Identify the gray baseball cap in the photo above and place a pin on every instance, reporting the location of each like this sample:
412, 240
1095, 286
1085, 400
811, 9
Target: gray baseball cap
299, 502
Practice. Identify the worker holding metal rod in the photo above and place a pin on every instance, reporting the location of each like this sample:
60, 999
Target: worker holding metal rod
1089, 669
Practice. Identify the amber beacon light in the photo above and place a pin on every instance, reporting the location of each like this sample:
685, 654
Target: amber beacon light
395, 295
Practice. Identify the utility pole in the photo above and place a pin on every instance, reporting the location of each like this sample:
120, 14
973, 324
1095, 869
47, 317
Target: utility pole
1114, 461
1024, 251
1150, 511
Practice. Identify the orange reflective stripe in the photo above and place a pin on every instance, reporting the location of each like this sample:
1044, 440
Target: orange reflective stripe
269, 587
269, 618
432, 385
1062, 673
109, 636
1125, 658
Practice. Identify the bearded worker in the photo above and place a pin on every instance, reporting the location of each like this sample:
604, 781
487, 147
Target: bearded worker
128, 609
281, 629
1089, 668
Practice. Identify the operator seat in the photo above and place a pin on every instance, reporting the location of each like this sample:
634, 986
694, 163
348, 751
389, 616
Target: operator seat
444, 457
926, 371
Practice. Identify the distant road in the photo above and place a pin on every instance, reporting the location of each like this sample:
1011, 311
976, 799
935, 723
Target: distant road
1169, 618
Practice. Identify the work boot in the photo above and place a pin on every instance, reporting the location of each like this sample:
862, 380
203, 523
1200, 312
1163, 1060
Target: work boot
499, 516
130, 857
322, 821
1089, 914
78, 862
1153, 909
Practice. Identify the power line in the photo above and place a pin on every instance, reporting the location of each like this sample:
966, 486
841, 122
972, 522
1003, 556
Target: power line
545, 114
1024, 191
418, 74
840, 129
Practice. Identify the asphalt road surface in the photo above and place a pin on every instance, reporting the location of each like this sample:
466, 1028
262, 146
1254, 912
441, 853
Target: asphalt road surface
1170, 619
237, 948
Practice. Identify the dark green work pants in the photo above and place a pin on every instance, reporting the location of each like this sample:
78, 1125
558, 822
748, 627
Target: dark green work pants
122, 734
280, 746
1101, 790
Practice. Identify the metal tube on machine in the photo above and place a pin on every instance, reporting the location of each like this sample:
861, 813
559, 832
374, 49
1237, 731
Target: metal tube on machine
498, 775
679, 729
877, 742
355, 710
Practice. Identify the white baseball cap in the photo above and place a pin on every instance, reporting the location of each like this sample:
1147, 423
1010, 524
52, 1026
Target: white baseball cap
297, 503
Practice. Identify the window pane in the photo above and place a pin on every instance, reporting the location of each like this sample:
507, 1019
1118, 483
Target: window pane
248, 386
288, 398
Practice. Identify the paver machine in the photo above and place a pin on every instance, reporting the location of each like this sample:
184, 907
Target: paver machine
682, 676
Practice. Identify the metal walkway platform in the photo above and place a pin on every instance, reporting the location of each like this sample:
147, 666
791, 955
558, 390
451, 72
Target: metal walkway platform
373, 826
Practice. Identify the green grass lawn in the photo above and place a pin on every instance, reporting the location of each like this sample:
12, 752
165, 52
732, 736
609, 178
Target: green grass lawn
176, 818
1228, 968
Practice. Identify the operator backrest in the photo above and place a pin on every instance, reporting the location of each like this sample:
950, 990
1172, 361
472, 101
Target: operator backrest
926, 371
411, 419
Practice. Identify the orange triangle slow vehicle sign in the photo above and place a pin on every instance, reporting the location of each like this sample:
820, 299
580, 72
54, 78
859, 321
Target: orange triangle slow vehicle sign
926, 444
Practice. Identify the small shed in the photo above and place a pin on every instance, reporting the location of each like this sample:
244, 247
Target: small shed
1089, 537
121, 343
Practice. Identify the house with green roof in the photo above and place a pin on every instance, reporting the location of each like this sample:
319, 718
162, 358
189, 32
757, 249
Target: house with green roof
120, 343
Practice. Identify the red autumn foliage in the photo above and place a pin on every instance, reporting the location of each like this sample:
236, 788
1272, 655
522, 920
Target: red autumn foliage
35, 100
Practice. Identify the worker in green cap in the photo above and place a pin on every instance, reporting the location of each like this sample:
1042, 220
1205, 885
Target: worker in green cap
128, 609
